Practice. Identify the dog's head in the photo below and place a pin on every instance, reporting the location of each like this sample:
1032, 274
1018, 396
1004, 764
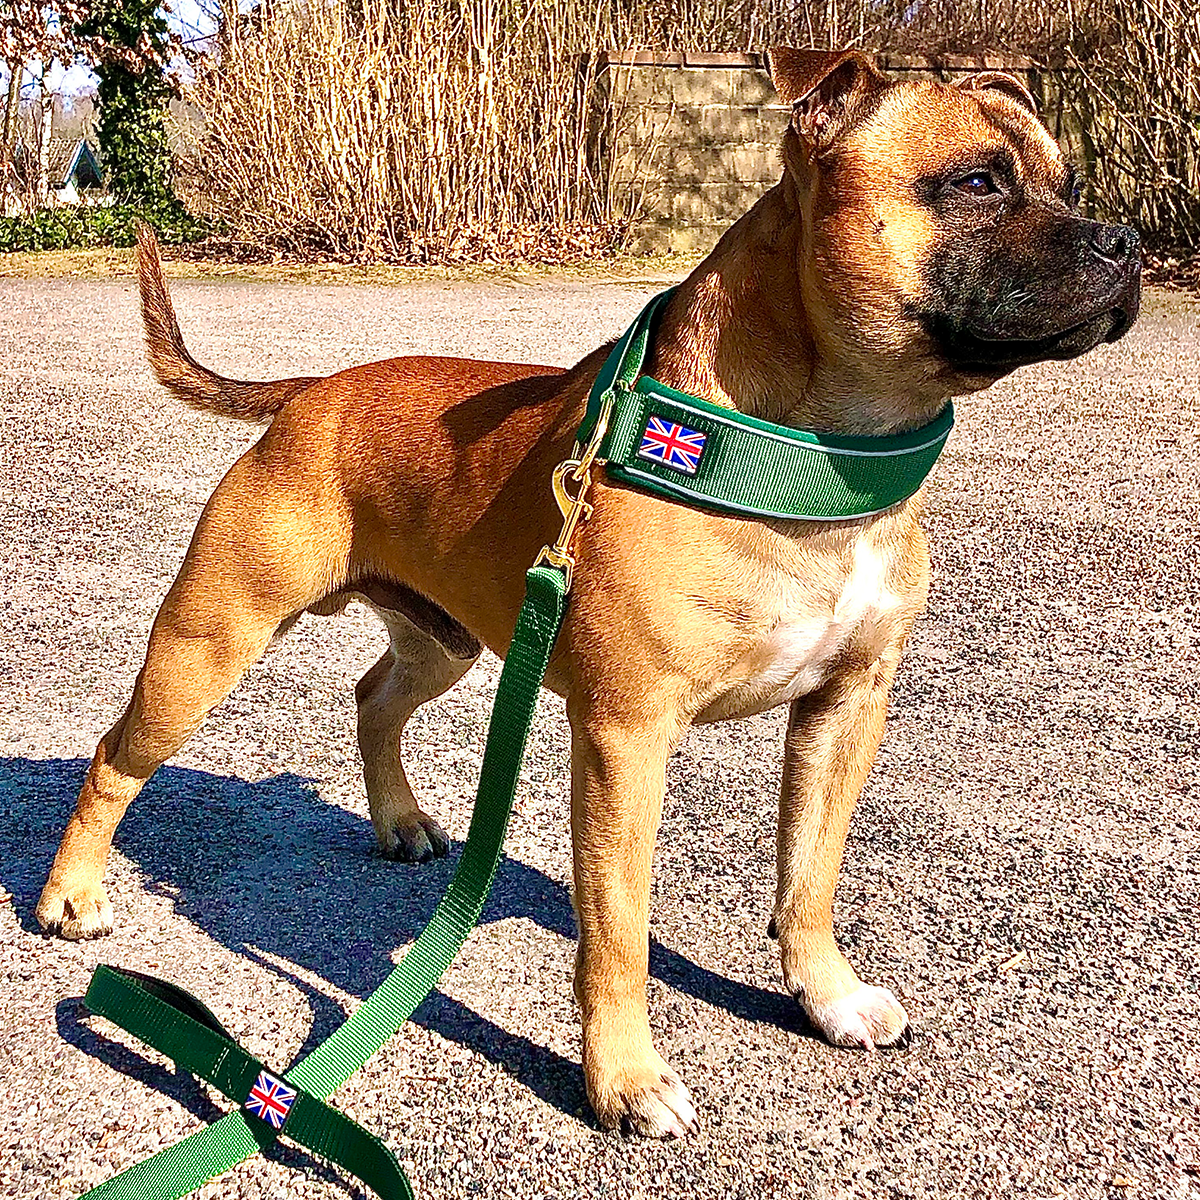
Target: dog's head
940, 227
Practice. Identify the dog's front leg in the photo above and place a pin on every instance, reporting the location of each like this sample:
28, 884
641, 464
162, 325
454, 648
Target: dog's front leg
833, 735
618, 777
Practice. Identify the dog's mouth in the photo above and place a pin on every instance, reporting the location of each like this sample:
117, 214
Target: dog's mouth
978, 352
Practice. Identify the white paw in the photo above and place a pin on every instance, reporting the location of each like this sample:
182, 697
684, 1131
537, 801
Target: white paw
867, 1017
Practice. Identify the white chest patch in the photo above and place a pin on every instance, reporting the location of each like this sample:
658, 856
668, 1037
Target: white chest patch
806, 639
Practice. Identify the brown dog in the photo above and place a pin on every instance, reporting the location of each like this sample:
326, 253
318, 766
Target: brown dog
922, 243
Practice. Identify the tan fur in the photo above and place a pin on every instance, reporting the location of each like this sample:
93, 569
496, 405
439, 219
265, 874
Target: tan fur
424, 477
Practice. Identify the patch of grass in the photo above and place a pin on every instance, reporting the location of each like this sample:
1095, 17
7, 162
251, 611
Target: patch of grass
109, 262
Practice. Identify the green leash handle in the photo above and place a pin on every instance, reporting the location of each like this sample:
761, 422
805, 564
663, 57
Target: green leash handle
171, 1020
176, 1024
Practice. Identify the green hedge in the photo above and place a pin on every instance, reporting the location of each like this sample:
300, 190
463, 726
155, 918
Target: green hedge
84, 228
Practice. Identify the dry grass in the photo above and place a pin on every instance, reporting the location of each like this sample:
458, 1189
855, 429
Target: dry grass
1134, 82
446, 130
120, 264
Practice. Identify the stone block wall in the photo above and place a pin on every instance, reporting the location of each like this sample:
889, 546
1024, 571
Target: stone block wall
700, 133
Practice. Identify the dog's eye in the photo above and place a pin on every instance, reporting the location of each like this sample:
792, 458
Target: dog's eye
1076, 193
978, 184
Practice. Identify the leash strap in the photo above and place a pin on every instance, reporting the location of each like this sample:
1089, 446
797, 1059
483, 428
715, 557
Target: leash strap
624, 364
662, 440
174, 1022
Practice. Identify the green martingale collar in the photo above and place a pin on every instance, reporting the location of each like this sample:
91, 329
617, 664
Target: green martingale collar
700, 453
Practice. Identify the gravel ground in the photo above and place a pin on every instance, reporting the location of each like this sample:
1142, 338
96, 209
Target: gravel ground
1024, 869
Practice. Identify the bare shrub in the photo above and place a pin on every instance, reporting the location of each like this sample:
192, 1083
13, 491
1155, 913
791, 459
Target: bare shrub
440, 129
425, 130
1132, 77
421, 130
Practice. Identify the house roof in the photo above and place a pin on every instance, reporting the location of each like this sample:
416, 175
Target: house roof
73, 160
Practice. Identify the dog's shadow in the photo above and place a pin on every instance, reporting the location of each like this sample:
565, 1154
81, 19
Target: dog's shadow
270, 869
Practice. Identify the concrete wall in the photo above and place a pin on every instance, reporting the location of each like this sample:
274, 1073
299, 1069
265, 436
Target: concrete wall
703, 133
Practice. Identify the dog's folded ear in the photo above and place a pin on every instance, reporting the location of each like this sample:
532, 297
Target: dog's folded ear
826, 88
1002, 82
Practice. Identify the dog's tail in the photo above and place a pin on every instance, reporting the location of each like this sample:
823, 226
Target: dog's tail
178, 370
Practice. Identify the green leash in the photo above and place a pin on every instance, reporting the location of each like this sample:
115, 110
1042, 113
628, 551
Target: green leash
649, 436
178, 1025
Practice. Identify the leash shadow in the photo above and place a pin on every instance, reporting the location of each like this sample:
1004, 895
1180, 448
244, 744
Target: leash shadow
185, 1089
273, 872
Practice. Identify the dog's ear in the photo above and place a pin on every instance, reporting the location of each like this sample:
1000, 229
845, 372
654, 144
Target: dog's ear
1002, 82
826, 89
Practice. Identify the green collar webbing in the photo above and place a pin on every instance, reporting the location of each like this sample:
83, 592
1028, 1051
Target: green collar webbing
690, 450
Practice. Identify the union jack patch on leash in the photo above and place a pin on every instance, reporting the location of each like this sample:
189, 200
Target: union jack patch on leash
271, 1099
672, 445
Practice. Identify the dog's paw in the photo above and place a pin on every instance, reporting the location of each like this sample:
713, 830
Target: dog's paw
414, 837
650, 1101
867, 1017
75, 913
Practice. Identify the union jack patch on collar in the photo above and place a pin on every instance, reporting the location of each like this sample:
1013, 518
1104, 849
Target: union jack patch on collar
270, 1099
673, 445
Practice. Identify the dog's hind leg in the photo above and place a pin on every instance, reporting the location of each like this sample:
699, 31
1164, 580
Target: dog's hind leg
416, 667
243, 576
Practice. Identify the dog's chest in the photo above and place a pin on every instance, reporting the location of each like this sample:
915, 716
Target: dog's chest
808, 628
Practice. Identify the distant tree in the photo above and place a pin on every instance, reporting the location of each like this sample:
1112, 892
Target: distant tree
12, 103
31, 30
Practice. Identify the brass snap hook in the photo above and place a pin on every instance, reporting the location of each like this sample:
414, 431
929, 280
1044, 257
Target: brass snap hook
576, 508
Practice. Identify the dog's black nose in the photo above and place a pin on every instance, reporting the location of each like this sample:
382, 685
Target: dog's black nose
1116, 243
